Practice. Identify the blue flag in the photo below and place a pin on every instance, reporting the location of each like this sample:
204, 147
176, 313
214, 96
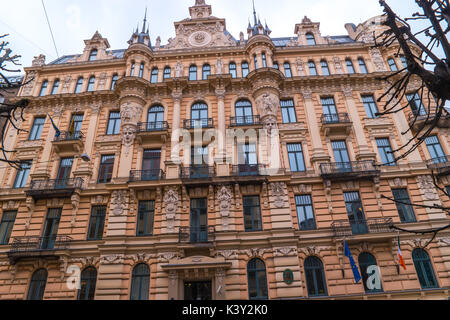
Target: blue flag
355, 270
58, 132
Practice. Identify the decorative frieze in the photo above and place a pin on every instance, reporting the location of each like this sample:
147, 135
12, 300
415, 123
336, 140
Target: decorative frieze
285, 251
112, 259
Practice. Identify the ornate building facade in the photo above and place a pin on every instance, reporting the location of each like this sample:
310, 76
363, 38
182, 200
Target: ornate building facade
220, 168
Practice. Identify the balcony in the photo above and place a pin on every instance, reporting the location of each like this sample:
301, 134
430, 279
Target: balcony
440, 166
198, 124
344, 171
69, 142
148, 132
336, 124
245, 170
345, 228
37, 247
247, 121
198, 172
42, 189
417, 121
146, 175
197, 235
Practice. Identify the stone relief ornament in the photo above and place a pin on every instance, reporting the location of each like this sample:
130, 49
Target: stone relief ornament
112, 259
171, 199
200, 39
377, 59
270, 123
241, 38
128, 135
267, 105
118, 202
224, 197
227, 254
29, 84
300, 67
179, 69
427, 187
278, 192
219, 66
38, 61
66, 84
285, 251
130, 113
338, 65
158, 42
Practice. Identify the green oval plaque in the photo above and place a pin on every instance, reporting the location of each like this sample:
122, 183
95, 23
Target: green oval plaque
288, 276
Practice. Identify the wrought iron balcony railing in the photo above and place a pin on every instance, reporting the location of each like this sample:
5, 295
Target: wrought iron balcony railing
49, 185
203, 234
69, 136
29, 247
419, 118
146, 175
197, 172
440, 165
198, 123
346, 228
245, 121
349, 170
152, 126
247, 170
335, 118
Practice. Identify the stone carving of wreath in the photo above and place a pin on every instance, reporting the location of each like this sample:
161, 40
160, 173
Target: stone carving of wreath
200, 39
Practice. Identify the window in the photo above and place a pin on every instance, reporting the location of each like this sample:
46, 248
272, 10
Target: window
88, 283
55, 87
392, 65
93, 55
329, 109
252, 214
355, 213
403, 203
50, 231
367, 262
37, 285
415, 102
255, 59
305, 213
435, 149
264, 60
91, 83
64, 171
287, 70
97, 223
151, 164
22, 175
404, 62
244, 69
296, 160
140, 282
370, 106
341, 156
362, 65
106, 169
79, 85
310, 39
193, 73
145, 218
113, 81
275, 65
155, 118
43, 88
199, 221
247, 154
288, 111
113, 123
6, 226
132, 69
206, 71
154, 77
325, 69
424, 269
350, 67
199, 115
244, 112
36, 129
385, 149
312, 68
315, 277
141, 70
167, 72
76, 121
257, 280
232, 69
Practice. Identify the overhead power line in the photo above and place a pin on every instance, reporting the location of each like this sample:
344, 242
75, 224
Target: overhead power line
50, 27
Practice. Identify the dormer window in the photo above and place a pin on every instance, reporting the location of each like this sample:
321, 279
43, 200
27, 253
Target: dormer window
310, 39
93, 55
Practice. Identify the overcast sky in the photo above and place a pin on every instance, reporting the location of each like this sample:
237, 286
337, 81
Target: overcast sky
73, 21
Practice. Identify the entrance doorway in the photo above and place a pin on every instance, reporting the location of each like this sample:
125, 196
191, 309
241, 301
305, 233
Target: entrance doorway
197, 290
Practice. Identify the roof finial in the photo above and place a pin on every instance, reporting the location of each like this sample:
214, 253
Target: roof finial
254, 12
145, 20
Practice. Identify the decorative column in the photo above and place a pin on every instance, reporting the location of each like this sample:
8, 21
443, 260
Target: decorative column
172, 166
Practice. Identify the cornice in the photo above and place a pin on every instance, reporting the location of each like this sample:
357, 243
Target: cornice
77, 65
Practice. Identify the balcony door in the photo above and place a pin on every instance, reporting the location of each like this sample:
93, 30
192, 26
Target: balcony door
50, 229
199, 163
341, 156
64, 171
155, 118
199, 115
151, 165
355, 213
247, 159
199, 220
329, 110
75, 125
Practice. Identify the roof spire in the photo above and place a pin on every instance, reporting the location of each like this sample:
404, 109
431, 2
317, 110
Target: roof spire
254, 12
145, 20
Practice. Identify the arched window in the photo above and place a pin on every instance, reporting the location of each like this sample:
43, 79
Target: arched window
392, 64
369, 268
141, 70
264, 60
424, 269
350, 67
199, 115
167, 72
244, 69
310, 39
232, 69
275, 65
43, 88
132, 69
244, 112
315, 277
79, 85
88, 283
55, 86
113, 81
91, 83
362, 65
255, 59
140, 282
155, 118
193, 73
312, 68
206, 71
287, 70
93, 55
154, 77
37, 285
257, 280
325, 69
